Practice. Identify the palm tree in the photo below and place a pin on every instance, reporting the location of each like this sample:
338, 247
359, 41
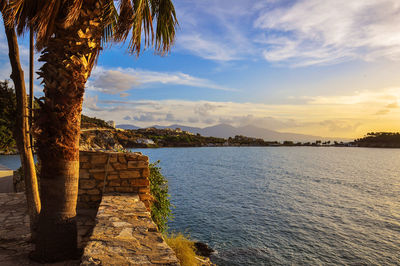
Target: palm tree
70, 35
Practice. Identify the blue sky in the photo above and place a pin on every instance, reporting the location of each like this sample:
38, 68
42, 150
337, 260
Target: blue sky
328, 68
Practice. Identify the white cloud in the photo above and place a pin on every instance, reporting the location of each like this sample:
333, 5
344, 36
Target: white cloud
318, 32
114, 81
118, 80
342, 116
388, 97
205, 109
90, 103
296, 33
207, 49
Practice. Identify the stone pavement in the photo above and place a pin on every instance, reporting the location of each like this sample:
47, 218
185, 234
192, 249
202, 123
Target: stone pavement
125, 234
14, 230
15, 236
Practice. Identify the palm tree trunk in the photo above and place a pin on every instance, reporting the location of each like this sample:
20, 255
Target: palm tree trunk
69, 57
22, 129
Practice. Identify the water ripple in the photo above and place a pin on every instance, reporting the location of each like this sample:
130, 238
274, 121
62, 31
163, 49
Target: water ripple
285, 206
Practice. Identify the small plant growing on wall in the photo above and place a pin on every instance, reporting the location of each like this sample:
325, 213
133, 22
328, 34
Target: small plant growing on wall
161, 207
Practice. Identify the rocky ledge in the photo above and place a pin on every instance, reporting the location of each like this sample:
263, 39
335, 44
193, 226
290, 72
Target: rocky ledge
124, 234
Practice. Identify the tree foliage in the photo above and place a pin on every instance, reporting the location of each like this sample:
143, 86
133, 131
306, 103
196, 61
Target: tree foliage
161, 208
156, 19
7, 116
380, 139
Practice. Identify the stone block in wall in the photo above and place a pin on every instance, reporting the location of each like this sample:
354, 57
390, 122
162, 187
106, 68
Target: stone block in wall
115, 183
98, 169
109, 168
121, 158
113, 173
84, 173
139, 182
100, 184
133, 156
87, 184
94, 191
83, 158
109, 189
119, 166
125, 183
84, 165
126, 189
143, 158
112, 176
138, 164
99, 159
99, 176
113, 158
144, 190
130, 174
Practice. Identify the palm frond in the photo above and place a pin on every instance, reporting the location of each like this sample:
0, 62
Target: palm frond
138, 15
109, 22
73, 9
135, 17
125, 20
142, 17
164, 11
3, 4
43, 16
40, 15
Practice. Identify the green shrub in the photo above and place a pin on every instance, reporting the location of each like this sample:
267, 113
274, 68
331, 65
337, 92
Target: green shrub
161, 208
183, 248
7, 116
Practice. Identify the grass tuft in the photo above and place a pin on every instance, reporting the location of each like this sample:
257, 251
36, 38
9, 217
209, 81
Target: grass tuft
183, 247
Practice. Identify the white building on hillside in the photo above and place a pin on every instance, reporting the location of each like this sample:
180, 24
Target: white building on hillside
145, 141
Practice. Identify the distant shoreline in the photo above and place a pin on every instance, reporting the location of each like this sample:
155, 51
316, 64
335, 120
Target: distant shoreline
243, 146
239, 146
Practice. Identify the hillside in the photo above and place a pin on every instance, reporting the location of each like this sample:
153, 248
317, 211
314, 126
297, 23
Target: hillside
379, 140
93, 122
226, 131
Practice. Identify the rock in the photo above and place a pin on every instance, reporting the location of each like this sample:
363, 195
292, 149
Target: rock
203, 249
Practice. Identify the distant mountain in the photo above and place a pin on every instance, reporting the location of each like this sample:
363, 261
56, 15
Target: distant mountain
126, 126
226, 131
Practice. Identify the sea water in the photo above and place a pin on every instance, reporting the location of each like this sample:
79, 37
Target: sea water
285, 205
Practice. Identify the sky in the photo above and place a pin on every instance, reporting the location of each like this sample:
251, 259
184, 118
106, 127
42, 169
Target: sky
327, 68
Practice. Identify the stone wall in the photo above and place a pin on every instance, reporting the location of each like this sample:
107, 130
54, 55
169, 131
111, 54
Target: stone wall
101, 172
104, 172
